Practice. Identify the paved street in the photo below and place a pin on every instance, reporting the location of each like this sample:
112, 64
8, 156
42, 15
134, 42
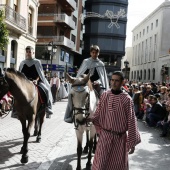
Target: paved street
57, 151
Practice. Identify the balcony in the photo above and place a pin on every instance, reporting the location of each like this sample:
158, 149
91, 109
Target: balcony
68, 5
58, 40
72, 3
62, 19
13, 19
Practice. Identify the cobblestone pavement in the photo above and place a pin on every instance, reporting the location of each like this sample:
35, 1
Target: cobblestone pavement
57, 150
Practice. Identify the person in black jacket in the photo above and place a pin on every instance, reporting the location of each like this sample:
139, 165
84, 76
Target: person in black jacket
157, 113
165, 124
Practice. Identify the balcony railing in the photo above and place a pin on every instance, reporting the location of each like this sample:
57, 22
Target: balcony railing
61, 18
14, 17
65, 18
58, 40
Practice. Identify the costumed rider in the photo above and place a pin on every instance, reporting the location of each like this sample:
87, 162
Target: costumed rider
33, 70
98, 77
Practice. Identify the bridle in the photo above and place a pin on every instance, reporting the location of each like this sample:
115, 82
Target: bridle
79, 88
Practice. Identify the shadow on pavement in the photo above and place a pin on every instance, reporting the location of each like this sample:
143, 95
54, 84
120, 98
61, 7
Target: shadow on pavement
65, 162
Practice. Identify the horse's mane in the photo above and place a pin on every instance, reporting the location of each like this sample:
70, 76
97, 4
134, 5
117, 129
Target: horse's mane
17, 73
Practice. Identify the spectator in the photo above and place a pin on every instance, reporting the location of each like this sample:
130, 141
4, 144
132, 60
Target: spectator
55, 85
136, 100
154, 88
156, 113
148, 91
165, 124
163, 95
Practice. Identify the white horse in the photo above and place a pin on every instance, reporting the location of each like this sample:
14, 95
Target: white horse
84, 102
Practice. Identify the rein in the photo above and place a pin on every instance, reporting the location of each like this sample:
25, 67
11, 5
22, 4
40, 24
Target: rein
84, 111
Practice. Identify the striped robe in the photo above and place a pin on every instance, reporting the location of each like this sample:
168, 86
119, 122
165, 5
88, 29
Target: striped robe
114, 112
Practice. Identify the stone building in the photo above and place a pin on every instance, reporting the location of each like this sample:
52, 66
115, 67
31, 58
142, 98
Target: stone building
151, 47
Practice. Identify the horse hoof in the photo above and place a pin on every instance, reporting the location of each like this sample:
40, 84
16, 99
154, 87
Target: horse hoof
88, 166
24, 159
85, 150
38, 140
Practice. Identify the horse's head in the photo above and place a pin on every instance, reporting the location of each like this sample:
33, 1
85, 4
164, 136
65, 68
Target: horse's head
80, 96
3, 86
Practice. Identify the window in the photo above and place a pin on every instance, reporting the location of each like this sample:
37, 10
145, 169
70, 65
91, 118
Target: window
62, 55
135, 75
156, 22
146, 51
73, 38
150, 49
142, 52
30, 21
75, 20
132, 75
155, 46
147, 29
151, 26
144, 74
140, 34
134, 38
13, 45
137, 36
148, 74
143, 31
141, 75
153, 74
15, 5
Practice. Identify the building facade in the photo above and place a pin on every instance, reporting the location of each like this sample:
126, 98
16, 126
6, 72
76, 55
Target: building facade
100, 31
21, 21
150, 44
58, 24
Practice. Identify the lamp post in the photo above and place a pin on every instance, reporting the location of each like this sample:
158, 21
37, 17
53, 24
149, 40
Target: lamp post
126, 64
52, 50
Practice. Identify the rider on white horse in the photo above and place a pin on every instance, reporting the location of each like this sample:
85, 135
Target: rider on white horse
98, 77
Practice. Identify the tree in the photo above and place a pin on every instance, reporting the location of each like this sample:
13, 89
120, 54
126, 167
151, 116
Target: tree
4, 34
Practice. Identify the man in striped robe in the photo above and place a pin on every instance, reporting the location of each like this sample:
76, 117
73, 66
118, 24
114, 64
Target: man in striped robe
119, 133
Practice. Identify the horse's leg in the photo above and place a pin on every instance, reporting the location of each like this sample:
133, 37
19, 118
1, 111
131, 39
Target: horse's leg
94, 143
87, 142
92, 134
40, 122
26, 132
79, 134
36, 126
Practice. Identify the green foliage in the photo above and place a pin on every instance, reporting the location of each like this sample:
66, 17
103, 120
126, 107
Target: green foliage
4, 34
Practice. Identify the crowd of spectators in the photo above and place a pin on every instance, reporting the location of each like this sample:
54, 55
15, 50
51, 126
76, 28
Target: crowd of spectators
151, 103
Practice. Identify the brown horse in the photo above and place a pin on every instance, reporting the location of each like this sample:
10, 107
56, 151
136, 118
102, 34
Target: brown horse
84, 101
27, 103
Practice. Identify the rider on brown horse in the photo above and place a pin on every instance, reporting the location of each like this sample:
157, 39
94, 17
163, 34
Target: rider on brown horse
33, 70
